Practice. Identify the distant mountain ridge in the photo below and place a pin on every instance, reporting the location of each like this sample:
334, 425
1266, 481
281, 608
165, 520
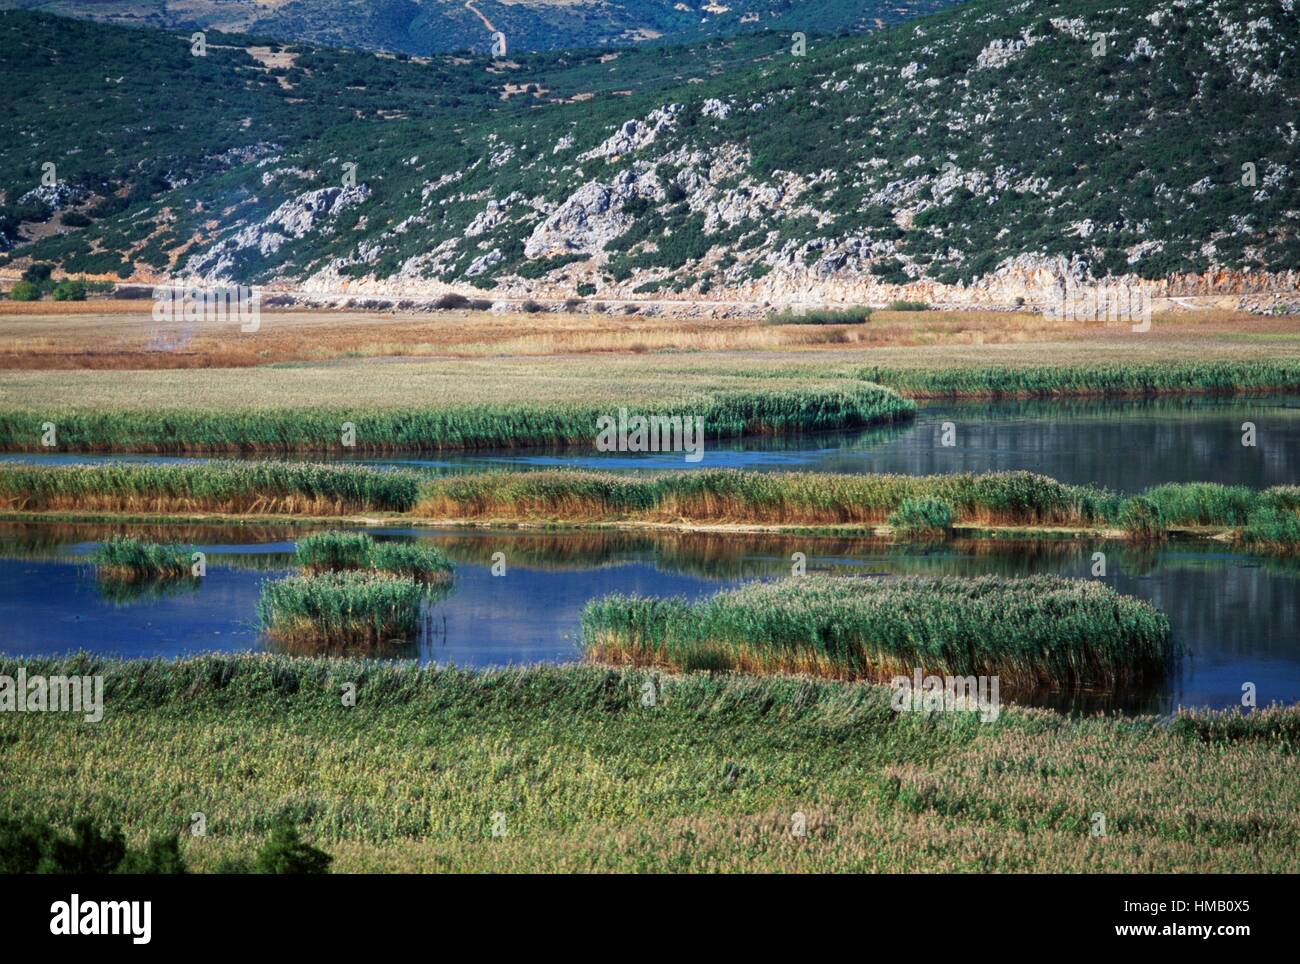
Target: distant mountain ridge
420, 27
991, 153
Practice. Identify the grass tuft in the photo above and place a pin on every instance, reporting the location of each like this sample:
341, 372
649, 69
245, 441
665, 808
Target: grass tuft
341, 611
126, 559
1040, 631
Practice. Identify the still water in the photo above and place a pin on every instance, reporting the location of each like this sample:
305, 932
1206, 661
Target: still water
1234, 616
1124, 445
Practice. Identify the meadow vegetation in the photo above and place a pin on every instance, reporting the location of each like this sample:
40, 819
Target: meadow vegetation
589, 777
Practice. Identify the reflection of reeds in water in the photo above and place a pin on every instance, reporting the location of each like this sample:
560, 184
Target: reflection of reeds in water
125, 592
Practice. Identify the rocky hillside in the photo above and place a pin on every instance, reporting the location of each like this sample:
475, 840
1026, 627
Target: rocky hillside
439, 26
979, 156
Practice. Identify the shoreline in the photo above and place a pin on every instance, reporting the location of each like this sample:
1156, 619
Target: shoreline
990, 532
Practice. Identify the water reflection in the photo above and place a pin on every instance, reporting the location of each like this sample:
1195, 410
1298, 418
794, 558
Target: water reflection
1122, 444
1233, 615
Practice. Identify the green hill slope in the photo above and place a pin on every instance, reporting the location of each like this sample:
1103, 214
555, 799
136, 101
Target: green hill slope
993, 140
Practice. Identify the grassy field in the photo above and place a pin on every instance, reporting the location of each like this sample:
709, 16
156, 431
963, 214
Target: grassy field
586, 776
696, 362
1028, 632
122, 335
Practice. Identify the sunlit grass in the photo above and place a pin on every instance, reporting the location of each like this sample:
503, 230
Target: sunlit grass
1038, 631
591, 778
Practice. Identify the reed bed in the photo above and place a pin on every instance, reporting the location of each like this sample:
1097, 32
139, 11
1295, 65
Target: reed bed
234, 487
713, 496
727, 495
726, 415
1225, 377
344, 551
341, 611
1272, 529
1034, 632
127, 559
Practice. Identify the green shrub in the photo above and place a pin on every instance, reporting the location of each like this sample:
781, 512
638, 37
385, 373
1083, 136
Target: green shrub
25, 291
909, 306
922, 517
69, 290
845, 316
287, 853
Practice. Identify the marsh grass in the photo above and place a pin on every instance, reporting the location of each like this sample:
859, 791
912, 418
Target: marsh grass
127, 559
341, 611
333, 551
341, 551
894, 791
1045, 381
234, 487
1142, 520
711, 496
729, 414
1034, 632
727, 495
1272, 528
